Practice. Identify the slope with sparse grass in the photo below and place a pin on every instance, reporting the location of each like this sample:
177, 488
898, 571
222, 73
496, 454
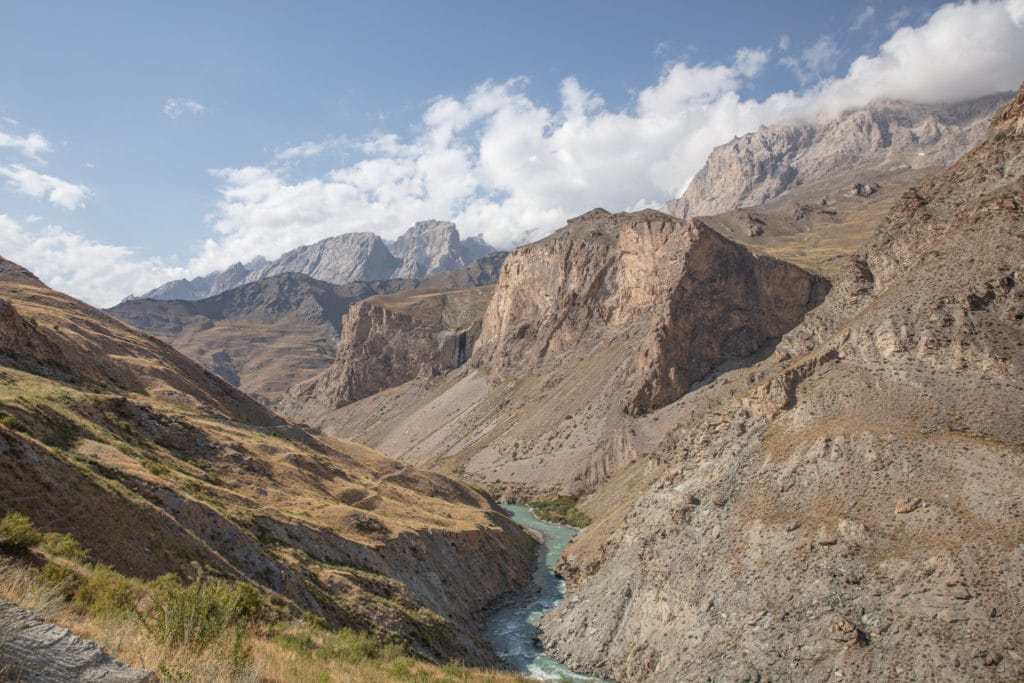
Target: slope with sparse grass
157, 466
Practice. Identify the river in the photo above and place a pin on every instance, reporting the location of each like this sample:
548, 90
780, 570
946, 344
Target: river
512, 630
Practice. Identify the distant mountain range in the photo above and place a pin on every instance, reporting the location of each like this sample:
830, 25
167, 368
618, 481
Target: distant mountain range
885, 135
425, 249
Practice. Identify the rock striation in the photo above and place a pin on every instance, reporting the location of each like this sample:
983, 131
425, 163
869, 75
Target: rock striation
684, 297
32, 650
762, 165
390, 340
851, 506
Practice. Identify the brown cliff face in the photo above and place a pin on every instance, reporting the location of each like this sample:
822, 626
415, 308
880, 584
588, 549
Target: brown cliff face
389, 340
684, 297
853, 503
588, 331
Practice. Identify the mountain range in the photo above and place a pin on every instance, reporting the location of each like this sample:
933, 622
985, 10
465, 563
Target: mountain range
427, 248
792, 407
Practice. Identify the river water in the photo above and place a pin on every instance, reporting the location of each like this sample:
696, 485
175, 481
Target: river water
512, 630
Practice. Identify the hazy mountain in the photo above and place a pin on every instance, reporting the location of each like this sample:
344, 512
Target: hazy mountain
884, 135
427, 248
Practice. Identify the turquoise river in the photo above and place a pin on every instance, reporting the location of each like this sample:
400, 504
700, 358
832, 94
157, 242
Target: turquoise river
512, 630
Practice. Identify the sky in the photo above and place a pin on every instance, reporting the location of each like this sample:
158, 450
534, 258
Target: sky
147, 141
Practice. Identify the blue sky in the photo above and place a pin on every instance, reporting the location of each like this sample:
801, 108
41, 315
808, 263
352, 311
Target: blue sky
145, 141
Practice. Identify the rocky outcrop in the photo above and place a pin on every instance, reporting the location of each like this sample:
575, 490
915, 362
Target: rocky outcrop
352, 257
32, 650
199, 287
762, 165
684, 297
389, 340
851, 506
428, 247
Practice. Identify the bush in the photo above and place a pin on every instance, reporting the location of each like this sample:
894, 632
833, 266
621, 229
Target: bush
65, 545
105, 592
17, 534
63, 578
197, 615
561, 510
350, 646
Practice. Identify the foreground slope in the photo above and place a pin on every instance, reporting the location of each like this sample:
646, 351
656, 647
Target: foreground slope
588, 331
158, 466
855, 508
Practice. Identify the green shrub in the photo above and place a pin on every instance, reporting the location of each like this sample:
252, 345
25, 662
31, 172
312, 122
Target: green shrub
105, 592
197, 615
61, 577
350, 646
561, 510
17, 534
65, 545
11, 422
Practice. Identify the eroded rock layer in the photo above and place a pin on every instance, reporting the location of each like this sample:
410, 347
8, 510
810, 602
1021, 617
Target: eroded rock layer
852, 506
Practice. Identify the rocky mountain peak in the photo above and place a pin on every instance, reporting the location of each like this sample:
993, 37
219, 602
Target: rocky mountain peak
762, 165
350, 257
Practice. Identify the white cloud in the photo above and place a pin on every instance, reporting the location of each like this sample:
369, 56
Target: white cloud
308, 149
34, 184
784, 42
31, 145
499, 163
863, 18
816, 61
98, 273
175, 107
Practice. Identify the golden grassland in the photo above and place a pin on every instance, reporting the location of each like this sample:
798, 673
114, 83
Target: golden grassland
118, 614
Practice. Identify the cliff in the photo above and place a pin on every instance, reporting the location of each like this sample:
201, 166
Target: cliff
851, 505
587, 333
389, 340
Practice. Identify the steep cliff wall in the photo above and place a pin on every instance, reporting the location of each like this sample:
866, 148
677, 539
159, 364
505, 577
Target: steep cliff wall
852, 506
683, 296
389, 340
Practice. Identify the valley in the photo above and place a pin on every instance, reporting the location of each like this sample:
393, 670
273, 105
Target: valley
788, 411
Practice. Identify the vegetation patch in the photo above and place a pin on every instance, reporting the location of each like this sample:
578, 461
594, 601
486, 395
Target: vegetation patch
17, 533
560, 510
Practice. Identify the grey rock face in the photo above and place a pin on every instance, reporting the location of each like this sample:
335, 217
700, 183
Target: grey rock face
762, 165
346, 258
33, 650
428, 247
425, 249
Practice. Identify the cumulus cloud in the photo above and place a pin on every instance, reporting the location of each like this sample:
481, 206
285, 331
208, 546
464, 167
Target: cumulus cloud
784, 42
174, 107
98, 273
34, 184
863, 18
499, 163
31, 145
